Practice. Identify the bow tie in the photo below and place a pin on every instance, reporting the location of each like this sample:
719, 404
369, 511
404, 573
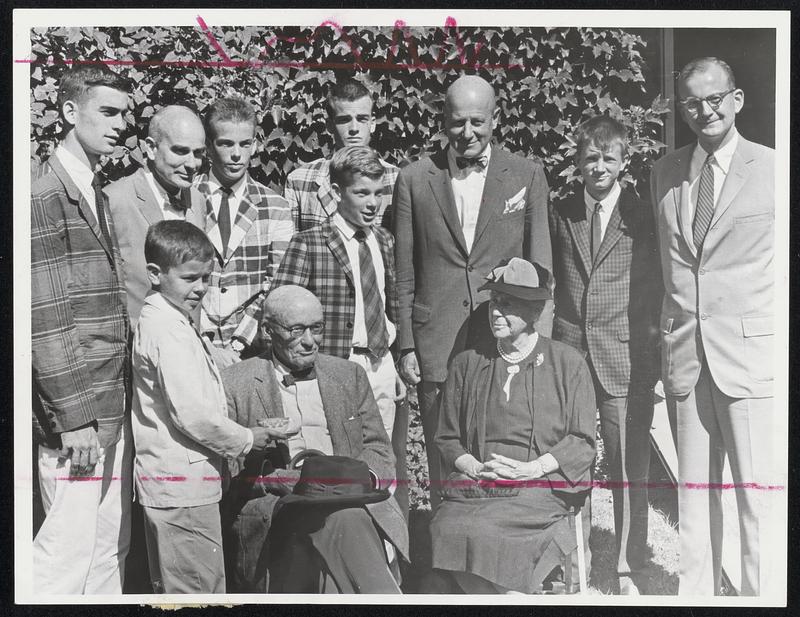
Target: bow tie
176, 201
295, 376
462, 162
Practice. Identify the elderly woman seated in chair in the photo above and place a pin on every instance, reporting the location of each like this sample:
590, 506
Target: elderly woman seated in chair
517, 432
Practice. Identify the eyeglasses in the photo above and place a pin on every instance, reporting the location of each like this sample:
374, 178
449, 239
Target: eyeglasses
695, 105
298, 330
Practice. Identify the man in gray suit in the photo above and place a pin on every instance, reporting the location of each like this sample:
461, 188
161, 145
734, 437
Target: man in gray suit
457, 215
715, 207
162, 189
329, 407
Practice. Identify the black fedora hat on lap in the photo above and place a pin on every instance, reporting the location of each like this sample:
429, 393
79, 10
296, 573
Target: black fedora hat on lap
334, 480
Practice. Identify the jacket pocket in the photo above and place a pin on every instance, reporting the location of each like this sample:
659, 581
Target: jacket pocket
420, 313
195, 456
753, 218
353, 429
758, 332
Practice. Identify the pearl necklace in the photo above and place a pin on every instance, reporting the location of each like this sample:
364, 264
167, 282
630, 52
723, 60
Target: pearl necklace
515, 357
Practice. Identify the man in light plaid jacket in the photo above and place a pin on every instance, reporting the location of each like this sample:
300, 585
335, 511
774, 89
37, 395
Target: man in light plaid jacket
308, 189
250, 234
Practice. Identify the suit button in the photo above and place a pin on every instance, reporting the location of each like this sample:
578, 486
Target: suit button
349, 324
470, 268
589, 326
222, 290
465, 303
702, 271
703, 316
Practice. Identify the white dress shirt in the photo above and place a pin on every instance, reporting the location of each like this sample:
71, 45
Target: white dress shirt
215, 189
351, 245
607, 205
721, 165
302, 405
467, 186
80, 173
168, 211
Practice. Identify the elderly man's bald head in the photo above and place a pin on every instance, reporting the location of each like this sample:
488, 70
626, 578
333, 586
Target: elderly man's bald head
288, 308
470, 115
175, 147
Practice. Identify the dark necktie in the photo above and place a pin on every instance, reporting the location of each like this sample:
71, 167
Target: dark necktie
295, 376
597, 230
462, 162
374, 313
100, 206
176, 202
704, 211
224, 218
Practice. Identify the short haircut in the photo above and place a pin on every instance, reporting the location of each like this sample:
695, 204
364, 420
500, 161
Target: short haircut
700, 65
230, 109
345, 90
171, 243
77, 82
353, 160
603, 132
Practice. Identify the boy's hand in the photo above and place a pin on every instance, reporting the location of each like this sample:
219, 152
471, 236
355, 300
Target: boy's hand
261, 437
83, 447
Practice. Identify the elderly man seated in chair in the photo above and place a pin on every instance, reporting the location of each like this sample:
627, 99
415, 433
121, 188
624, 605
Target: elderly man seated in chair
331, 527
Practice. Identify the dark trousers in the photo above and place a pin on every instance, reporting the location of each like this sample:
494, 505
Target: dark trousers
625, 428
428, 396
399, 441
319, 549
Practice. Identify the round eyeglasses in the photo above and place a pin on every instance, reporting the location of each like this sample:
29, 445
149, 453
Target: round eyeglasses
298, 330
695, 105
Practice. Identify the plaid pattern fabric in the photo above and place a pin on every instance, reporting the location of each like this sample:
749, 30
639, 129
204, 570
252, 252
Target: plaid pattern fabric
317, 260
609, 310
79, 323
312, 200
244, 269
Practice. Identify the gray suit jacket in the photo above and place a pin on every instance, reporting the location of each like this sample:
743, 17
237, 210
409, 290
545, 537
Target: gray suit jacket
354, 423
134, 208
720, 304
437, 277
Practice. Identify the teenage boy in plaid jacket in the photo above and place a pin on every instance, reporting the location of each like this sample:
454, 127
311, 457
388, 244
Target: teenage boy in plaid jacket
607, 302
351, 122
250, 235
79, 327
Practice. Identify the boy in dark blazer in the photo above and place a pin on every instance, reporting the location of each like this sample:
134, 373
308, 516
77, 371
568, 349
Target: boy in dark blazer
607, 298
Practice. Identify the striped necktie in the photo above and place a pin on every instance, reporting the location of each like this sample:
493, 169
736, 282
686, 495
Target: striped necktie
374, 312
704, 211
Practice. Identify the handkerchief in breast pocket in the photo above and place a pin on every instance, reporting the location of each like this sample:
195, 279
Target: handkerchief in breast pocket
515, 203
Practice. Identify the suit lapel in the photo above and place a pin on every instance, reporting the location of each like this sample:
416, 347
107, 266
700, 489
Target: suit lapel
443, 193
325, 194
336, 244
734, 181
266, 387
85, 210
245, 216
613, 231
492, 198
578, 228
682, 195
146, 201
334, 401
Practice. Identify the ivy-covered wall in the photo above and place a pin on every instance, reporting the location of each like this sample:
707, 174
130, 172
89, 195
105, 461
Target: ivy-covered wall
547, 81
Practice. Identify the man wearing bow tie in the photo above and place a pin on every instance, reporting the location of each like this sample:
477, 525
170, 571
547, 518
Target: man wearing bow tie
714, 205
456, 215
161, 190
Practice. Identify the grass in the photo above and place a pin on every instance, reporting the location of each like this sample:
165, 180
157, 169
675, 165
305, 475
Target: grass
660, 576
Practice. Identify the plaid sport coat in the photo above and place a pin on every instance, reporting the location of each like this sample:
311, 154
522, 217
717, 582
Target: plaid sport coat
609, 309
244, 269
79, 322
317, 260
312, 200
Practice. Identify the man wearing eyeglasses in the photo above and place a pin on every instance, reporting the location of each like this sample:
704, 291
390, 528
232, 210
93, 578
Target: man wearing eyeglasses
714, 207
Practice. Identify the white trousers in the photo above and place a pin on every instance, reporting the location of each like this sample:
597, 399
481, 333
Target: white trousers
84, 540
383, 379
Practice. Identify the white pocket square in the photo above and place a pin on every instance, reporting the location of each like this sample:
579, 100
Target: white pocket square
517, 202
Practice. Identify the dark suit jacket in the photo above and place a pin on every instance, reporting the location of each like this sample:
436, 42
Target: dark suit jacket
562, 406
610, 309
317, 260
79, 324
437, 278
718, 305
134, 208
355, 426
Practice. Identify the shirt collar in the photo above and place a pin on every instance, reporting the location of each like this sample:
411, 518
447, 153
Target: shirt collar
158, 190
80, 173
158, 300
722, 156
238, 188
452, 155
608, 202
345, 228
